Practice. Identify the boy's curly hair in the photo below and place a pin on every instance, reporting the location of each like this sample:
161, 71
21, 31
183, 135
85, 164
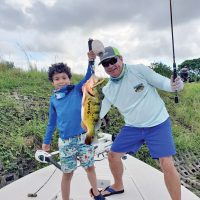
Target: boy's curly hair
58, 68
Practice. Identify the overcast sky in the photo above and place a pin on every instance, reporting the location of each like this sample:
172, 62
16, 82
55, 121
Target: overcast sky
43, 32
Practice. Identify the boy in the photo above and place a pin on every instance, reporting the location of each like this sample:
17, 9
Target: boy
65, 114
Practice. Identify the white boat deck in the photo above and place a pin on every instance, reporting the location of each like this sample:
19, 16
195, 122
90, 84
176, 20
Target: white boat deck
141, 181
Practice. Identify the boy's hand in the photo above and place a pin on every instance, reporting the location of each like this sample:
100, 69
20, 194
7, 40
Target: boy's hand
177, 85
46, 147
91, 56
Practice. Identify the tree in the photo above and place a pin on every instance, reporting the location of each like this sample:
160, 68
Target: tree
5, 65
162, 69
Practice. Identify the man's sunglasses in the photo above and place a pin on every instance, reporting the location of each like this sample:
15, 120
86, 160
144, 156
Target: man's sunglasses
110, 61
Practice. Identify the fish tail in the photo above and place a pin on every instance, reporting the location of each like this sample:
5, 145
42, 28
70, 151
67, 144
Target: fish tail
88, 139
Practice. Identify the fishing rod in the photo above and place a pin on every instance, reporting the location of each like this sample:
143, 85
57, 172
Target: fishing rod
91, 62
176, 100
101, 146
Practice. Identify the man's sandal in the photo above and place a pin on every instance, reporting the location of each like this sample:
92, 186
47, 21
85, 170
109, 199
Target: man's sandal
111, 191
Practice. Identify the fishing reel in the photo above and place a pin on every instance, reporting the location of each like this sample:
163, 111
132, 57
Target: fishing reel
103, 144
97, 47
44, 157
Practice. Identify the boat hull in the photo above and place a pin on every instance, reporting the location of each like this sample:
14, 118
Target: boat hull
141, 181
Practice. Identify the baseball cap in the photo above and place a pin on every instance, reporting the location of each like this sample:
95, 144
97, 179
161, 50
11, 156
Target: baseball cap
109, 52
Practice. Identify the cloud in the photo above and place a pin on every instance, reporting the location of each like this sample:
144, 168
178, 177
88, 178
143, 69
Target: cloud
90, 14
11, 18
58, 30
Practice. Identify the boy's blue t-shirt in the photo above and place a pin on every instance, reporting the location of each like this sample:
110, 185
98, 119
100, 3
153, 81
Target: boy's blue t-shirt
65, 111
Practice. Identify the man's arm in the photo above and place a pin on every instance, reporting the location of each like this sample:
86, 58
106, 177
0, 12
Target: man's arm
161, 82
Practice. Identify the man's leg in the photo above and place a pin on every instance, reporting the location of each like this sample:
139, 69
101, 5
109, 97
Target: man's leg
116, 167
171, 177
65, 185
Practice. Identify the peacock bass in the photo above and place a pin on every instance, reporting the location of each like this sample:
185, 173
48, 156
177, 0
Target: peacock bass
91, 104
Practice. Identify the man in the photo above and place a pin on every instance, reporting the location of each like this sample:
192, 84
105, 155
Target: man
184, 74
132, 89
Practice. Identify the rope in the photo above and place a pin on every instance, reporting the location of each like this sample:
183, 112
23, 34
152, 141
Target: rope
35, 193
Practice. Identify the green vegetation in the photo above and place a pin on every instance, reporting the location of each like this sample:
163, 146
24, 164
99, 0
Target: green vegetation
193, 67
162, 69
24, 100
193, 64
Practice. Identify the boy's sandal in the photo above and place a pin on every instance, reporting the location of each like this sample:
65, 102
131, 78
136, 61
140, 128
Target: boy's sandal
98, 197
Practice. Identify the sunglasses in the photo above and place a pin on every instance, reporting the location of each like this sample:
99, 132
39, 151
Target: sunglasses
110, 61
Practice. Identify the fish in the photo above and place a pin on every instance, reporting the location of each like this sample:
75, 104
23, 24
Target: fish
139, 87
91, 105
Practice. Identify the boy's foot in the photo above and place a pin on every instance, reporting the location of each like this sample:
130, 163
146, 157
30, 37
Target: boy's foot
98, 197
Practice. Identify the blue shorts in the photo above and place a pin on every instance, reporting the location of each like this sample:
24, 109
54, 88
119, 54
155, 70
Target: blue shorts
74, 149
159, 140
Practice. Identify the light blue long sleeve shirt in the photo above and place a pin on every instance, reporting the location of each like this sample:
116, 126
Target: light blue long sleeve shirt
136, 97
65, 111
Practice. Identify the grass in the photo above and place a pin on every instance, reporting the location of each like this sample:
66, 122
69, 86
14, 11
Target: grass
185, 117
24, 100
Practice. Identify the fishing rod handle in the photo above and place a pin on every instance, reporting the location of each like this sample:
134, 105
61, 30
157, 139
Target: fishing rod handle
91, 62
176, 100
90, 44
174, 72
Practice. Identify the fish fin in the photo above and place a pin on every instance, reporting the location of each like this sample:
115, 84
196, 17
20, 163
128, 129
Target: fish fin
98, 83
83, 126
98, 125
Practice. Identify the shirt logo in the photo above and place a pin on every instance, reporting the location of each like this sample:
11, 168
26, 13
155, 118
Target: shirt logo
60, 95
139, 87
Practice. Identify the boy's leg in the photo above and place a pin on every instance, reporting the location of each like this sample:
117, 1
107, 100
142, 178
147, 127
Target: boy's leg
171, 177
68, 164
91, 174
86, 157
65, 185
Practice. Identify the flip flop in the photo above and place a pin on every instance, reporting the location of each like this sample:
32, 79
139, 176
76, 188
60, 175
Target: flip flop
111, 191
98, 197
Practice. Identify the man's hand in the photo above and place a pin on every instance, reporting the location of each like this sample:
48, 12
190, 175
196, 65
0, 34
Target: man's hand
177, 85
91, 56
46, 147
